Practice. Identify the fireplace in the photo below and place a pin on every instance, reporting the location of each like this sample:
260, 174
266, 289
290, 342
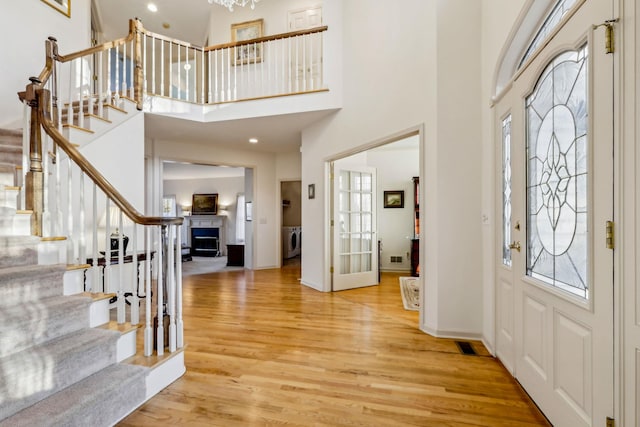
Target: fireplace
205, 241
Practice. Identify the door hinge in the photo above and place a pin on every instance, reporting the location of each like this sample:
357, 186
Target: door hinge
332, 223
609, 35
610, 235
611, 422
331, 269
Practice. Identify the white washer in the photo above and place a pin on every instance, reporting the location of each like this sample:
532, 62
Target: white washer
290, 247
299, 233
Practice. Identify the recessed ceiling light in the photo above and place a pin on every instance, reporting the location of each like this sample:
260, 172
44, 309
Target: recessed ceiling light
253, 140
152, 7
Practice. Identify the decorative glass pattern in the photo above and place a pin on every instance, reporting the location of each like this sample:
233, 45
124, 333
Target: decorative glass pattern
506, 190
557, 167
550, 23
355, 222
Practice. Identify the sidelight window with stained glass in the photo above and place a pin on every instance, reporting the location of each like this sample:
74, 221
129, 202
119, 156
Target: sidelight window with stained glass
506, 190
557, 175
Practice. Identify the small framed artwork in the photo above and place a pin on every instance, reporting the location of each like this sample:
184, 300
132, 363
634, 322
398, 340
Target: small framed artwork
394, 199
248, 211
62, 6
250, 53
312, 191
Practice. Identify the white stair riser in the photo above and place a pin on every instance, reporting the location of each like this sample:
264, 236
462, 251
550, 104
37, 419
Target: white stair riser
18, 225
164, 374
126, 345
9, 198
73, 282
52, 252
99, 313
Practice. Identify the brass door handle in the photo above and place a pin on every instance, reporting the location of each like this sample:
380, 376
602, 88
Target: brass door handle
515, 245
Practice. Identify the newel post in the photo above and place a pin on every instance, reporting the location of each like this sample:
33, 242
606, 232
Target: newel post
138, 78
34, 181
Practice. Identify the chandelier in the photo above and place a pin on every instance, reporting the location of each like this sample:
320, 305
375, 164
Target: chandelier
230, 3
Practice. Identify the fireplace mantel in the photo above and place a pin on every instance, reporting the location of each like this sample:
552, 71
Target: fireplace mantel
208, 221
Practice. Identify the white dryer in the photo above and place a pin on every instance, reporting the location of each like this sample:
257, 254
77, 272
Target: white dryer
290, 242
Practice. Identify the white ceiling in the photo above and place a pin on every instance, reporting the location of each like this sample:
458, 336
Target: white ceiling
178, 170
189, 20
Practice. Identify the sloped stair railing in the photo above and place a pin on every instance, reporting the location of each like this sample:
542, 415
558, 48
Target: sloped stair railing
71, 206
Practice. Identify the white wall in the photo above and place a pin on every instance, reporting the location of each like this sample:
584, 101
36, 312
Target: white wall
494, 36
395, 168
227, 189
423, 72
274, 13
26, 25
266, 206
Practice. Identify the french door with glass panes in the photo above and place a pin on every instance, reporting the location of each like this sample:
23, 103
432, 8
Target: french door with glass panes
355, 253
554, 289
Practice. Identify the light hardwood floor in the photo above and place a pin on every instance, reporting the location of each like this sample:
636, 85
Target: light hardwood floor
264, 350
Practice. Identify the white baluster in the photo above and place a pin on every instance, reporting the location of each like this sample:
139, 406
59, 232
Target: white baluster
290, 65
58, 195
120, 306
304, 62
82, 224
161, 67
135, 277
153, 65
178, 299
229, 74
109, 88
148, 329
202, 70
170, 94
106, 271
80, 63
144, 66
100, 84
216, 97
70, 120
235, 76
124, 89
160, 284
95, 277
179, 80
69, 213
171, 283
46, 161
131, 70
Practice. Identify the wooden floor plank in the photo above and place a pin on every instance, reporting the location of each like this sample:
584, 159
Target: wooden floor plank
264, 350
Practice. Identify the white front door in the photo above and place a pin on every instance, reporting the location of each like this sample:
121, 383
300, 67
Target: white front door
555, 297
355, 252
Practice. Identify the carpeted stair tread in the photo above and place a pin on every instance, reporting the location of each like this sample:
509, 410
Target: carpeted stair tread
38, 372
101, 399
10, 134
27, 283
26, 325
18, 250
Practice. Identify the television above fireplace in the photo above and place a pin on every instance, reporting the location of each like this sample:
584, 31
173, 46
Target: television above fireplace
204, 204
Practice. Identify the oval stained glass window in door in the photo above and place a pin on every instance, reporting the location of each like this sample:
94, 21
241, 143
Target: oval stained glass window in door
557, 170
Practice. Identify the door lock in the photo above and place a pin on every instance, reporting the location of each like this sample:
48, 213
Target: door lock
515, 245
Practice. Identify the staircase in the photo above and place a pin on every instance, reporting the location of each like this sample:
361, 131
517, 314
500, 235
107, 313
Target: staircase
62, 361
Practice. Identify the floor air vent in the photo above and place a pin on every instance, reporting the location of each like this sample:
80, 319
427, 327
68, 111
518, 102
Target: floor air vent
466, 348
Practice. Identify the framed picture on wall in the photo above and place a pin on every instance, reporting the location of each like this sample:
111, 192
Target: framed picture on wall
204, 204
62, 6
394, 199
250, 53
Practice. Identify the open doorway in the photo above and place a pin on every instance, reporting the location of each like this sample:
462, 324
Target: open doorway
213, 241
375, 216
291, 193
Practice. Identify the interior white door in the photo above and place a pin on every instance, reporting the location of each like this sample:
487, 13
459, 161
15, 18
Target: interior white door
306, 52
355, 254
555, 301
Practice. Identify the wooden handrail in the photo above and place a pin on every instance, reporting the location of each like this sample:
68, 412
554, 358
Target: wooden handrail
268, 38
134, 24
50, 128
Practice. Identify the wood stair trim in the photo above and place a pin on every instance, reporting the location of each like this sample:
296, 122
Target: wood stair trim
70, 126
115, 108
74, 267
12, 188
123, 328
153, 361
24, 212
97, 296
53, 238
